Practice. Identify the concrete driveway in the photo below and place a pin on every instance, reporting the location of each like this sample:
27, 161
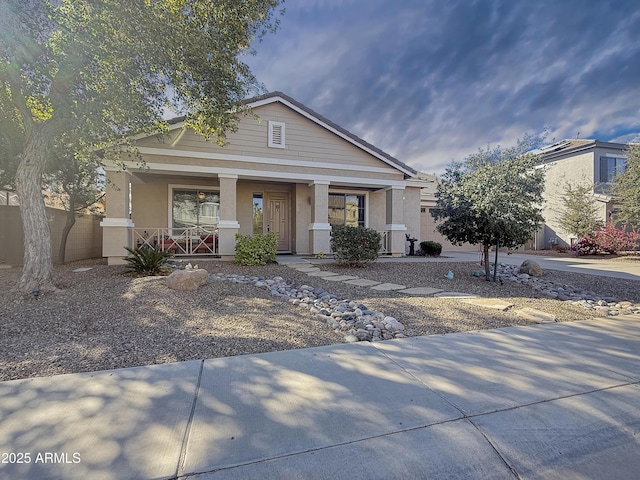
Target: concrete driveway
536, 402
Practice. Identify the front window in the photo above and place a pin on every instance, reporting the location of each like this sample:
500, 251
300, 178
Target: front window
195, 208
258, 216
346, 209
610, 167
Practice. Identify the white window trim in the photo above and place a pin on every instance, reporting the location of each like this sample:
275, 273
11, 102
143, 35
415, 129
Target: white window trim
174, 186
366, 201
273, 125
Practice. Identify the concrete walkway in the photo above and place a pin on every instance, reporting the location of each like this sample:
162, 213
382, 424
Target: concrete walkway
581, 265
536, 402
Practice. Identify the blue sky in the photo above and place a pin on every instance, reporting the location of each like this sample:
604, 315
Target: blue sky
431, 81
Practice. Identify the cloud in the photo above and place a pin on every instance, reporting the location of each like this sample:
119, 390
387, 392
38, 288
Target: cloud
429, 81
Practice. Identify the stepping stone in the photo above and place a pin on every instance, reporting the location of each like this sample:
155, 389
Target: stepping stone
297, 265
362, 282
340, 278
308, 269
420, 291
535, 316
322, 273
455, 295
388, 286
490, 303
83, 269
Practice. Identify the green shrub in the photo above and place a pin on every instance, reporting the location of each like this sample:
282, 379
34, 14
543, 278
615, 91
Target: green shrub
256, 249
433, 249
355, 246
146, 261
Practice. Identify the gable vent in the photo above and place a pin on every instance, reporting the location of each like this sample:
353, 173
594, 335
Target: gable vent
276, 134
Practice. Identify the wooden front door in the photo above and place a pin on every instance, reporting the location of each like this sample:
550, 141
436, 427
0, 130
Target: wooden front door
278, 219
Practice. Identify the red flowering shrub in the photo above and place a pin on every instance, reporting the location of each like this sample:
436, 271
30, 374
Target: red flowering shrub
607, 240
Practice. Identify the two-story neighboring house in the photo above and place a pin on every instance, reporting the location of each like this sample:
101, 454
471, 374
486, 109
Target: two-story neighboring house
286, 170
576, 162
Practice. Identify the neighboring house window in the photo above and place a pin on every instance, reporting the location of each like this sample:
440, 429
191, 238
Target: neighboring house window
276, 134
610, 167
258, 214
346, 209
195, 208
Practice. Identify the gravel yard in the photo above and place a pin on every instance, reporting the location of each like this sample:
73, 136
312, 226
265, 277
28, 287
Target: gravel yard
101, 319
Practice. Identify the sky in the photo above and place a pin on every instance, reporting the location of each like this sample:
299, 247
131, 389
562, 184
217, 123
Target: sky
432, 81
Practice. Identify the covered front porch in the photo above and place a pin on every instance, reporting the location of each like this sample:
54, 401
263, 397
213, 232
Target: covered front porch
199, 213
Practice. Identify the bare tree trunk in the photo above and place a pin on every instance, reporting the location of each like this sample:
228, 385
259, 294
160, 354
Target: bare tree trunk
71, 221
37, 266
487, 263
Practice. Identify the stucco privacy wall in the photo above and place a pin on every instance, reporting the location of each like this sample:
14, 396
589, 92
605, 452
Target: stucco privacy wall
84, 241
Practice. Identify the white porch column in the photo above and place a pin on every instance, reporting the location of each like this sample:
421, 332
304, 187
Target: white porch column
116, 225
228, 225
395, 226
319, 228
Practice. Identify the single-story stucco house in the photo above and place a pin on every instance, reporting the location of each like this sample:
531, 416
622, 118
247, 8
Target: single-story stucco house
287, 170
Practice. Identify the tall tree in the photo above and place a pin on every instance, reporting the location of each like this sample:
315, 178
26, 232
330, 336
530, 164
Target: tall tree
102, 70
578, 211
626, 188
493, 198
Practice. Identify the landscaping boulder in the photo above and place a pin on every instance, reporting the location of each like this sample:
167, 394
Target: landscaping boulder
531, 267
188, 279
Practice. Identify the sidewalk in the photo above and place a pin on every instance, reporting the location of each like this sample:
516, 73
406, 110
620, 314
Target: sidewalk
536, 402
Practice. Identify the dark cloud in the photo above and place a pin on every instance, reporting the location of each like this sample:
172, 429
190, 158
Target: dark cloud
431, 81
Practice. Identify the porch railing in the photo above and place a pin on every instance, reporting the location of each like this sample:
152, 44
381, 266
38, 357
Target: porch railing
191, 241
384, 244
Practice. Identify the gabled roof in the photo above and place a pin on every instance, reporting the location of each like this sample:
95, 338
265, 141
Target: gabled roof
332, 127
305, 111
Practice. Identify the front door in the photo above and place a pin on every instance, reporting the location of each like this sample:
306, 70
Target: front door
278, 219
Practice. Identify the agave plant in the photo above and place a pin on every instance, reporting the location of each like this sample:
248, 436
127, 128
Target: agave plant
146, 261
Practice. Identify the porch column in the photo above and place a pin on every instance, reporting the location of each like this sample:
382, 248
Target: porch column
116, 233
319, 228
228, 225
395, 226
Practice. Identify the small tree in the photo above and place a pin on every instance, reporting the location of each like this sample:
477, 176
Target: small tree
76, 184
626, 188
493, 198
578, 213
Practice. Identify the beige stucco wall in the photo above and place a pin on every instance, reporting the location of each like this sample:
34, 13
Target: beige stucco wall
377, 209
84, 241
428, 232
412, 211
576, 170
302, 217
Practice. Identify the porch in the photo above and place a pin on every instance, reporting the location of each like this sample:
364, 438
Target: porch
200, 217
